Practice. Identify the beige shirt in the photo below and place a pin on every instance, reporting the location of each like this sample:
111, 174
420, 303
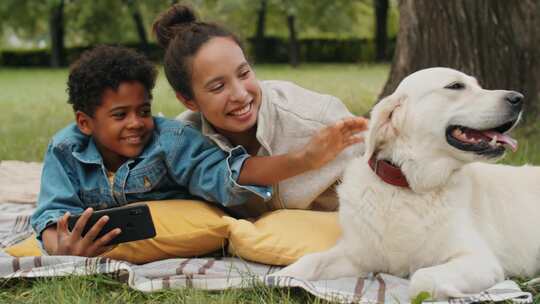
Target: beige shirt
288, 117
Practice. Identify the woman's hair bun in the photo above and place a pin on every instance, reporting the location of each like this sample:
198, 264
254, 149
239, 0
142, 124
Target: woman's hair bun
168, 23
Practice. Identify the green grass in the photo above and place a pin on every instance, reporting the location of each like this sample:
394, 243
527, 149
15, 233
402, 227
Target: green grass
33, 107
102, 289
33, 101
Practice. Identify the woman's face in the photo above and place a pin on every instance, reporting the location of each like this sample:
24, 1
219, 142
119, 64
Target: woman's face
224, 86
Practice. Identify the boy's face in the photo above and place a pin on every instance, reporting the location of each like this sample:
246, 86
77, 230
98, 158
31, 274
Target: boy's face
122, 125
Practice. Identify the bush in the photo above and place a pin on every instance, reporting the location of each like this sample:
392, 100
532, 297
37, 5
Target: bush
25, 58
273, 50
270, 50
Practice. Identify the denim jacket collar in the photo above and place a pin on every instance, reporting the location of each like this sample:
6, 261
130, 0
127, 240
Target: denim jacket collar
91, 155
152, 146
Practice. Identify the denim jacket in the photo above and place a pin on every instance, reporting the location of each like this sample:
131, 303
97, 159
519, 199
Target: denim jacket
178, 162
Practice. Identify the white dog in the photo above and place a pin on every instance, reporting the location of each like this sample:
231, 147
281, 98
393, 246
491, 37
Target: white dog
435, 210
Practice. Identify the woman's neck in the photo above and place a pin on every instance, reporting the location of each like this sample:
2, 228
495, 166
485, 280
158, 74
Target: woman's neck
247, 139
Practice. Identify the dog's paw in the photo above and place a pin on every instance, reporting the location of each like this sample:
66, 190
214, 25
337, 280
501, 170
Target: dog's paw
283, 272
306, 268
295, 270
425, 280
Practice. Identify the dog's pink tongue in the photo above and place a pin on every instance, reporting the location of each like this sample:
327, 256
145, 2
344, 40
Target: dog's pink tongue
503, 138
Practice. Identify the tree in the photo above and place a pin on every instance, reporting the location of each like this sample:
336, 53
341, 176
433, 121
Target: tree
260, 29
56, 30
294, 48
294, 19
29, 19
497, 41
319, 15
138, 21
78, 23
23, 17
381, 32
99, 21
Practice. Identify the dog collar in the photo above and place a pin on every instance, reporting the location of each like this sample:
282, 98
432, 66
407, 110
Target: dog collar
389, 173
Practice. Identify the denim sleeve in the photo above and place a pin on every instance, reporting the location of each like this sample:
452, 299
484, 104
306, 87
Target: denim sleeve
209, 172
58, 193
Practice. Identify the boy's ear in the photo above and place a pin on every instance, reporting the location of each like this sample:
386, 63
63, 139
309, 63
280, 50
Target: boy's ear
84, 122
190, 104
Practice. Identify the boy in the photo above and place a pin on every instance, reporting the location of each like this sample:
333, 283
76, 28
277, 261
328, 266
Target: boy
117, 153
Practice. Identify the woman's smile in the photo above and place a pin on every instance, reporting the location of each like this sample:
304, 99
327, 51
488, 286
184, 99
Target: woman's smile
241, 111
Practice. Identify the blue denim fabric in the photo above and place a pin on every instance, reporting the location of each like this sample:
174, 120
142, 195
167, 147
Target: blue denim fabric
177, 163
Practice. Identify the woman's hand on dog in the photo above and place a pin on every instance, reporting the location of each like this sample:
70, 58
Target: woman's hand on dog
332, 140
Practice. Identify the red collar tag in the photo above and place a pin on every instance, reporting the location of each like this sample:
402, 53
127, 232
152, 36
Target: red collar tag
389, 173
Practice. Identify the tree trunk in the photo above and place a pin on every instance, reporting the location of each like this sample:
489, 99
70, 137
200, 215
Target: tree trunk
260, 31
261, 20
496, 41
381, 33
293, 41
56, 31
139, 24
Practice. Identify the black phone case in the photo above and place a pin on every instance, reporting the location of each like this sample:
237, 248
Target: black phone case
134, 220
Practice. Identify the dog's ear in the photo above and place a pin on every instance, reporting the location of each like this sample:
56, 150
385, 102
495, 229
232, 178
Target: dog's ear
386, 118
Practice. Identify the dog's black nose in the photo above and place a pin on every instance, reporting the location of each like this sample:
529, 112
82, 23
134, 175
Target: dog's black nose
514, 98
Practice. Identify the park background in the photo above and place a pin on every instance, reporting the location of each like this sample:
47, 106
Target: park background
357, 50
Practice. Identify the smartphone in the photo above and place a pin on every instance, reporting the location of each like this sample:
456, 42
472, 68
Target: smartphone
134, 220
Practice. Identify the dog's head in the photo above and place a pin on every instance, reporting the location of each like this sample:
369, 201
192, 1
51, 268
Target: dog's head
439, 119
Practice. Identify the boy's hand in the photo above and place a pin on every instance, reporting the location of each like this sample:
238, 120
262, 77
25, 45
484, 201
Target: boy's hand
72, 243
330, 141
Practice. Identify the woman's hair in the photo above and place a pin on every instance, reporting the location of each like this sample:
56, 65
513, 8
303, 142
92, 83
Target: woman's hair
181, 35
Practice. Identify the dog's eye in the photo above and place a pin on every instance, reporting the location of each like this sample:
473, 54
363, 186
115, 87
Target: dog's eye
455, 86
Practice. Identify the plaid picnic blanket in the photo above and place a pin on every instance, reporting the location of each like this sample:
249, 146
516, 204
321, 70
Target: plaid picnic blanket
202, 273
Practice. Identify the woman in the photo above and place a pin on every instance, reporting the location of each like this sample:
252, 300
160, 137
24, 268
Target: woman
206, 66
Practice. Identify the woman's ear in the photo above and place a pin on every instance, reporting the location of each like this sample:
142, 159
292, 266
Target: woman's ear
84, 122
188, 103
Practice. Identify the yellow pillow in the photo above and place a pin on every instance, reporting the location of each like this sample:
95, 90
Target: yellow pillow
28, 247
283, 236
184, 228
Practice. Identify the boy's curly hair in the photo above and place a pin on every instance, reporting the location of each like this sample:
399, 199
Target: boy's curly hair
106, 67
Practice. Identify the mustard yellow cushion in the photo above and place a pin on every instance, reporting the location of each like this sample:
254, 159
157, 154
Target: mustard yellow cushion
184, 228
281, 237
28, 247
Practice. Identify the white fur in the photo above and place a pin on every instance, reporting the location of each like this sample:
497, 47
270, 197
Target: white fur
464, 224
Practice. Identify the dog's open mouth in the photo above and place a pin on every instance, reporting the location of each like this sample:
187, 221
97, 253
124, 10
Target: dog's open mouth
491, 142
